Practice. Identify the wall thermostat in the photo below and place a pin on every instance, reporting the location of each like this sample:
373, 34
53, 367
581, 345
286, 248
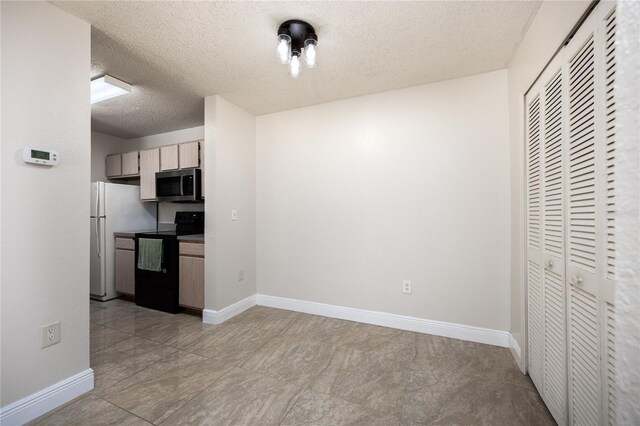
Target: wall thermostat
45, 157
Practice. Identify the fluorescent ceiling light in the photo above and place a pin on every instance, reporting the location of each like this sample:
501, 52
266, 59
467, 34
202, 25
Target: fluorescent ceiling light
107, 87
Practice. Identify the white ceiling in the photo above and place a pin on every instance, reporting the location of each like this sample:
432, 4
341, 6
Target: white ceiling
176, 53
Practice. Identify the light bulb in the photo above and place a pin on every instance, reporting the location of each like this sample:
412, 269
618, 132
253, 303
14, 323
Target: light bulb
310, 54
295, 66
283, 52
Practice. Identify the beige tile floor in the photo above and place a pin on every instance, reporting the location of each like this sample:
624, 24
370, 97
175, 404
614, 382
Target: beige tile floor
275, 367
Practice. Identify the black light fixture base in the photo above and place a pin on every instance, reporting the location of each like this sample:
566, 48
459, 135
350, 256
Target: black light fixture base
299, 31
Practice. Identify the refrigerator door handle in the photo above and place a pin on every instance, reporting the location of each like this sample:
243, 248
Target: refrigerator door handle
98, 200
98, 235
98, 215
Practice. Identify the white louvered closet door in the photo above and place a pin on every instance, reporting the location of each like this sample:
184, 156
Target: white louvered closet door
591, 253
535, 302
546, 251
584, 232
553, 183
607, 19
570, 226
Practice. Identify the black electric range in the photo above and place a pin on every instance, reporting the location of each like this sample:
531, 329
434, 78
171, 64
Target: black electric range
160, 290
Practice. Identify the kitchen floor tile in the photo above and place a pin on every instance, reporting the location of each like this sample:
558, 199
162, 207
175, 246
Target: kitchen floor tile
159, 390
265, 318
231, 343
119, 361
314, 408
135, 322
239, 398
290, 358
364, 378
179, 332
88, 410
396, 345
443, 396
101, 337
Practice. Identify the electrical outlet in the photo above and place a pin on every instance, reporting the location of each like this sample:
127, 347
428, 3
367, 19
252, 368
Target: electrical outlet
241, 276
50, 334
406, 286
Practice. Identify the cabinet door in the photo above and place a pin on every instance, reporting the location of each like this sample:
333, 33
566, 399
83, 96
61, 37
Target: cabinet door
149, 165
189, 154
192, 282
169, 157
113, 165
125, 271
202, 178
130, 164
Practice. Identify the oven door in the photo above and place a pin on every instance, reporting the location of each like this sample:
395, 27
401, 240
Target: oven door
179, 186
159, 290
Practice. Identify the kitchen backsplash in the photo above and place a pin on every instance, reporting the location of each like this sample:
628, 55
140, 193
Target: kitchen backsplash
167, 211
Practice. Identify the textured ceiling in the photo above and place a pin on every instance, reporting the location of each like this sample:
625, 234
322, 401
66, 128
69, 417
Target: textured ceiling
176, 53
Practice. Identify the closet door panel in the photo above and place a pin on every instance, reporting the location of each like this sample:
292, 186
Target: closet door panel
555, 346
607, 33
535, 283
584, 231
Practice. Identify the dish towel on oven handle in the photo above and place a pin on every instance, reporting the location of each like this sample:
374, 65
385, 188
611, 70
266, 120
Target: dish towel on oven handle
150, 254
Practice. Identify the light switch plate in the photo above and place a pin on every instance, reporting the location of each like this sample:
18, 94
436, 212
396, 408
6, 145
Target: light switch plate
234, 214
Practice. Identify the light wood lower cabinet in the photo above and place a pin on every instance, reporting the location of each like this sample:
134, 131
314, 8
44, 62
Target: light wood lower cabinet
125, 266
192, 275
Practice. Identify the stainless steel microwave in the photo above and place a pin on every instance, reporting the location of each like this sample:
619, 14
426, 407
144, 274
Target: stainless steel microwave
179, 186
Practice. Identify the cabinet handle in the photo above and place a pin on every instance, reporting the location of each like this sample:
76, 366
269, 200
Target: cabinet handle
549, 263
576, 280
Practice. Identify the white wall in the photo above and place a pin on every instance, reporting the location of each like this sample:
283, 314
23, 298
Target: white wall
551, 25
45, 103
169, 138
628, 214
357, 195
230, 158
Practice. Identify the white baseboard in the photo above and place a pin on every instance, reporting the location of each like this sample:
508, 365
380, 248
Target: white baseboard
402, 322
514, 347
39, 403
209, 316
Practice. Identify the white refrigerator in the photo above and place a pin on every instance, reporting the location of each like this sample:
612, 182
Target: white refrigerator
114, 208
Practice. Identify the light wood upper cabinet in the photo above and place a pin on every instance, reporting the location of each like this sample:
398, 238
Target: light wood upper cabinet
113, 165
125, 266
191, 275
189, 154
149, 165
130, 165
169, 157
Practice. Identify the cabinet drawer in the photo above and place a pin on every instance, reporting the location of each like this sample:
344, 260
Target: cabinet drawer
192, 249
125, 243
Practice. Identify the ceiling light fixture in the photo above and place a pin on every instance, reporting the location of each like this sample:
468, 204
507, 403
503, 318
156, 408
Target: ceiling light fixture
296, 38
107, 87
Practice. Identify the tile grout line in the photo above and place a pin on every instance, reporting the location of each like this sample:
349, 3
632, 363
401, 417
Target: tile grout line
196, 395
123, 409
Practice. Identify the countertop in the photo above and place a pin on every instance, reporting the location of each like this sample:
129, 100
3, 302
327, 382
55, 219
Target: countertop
130, 234
195, 238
